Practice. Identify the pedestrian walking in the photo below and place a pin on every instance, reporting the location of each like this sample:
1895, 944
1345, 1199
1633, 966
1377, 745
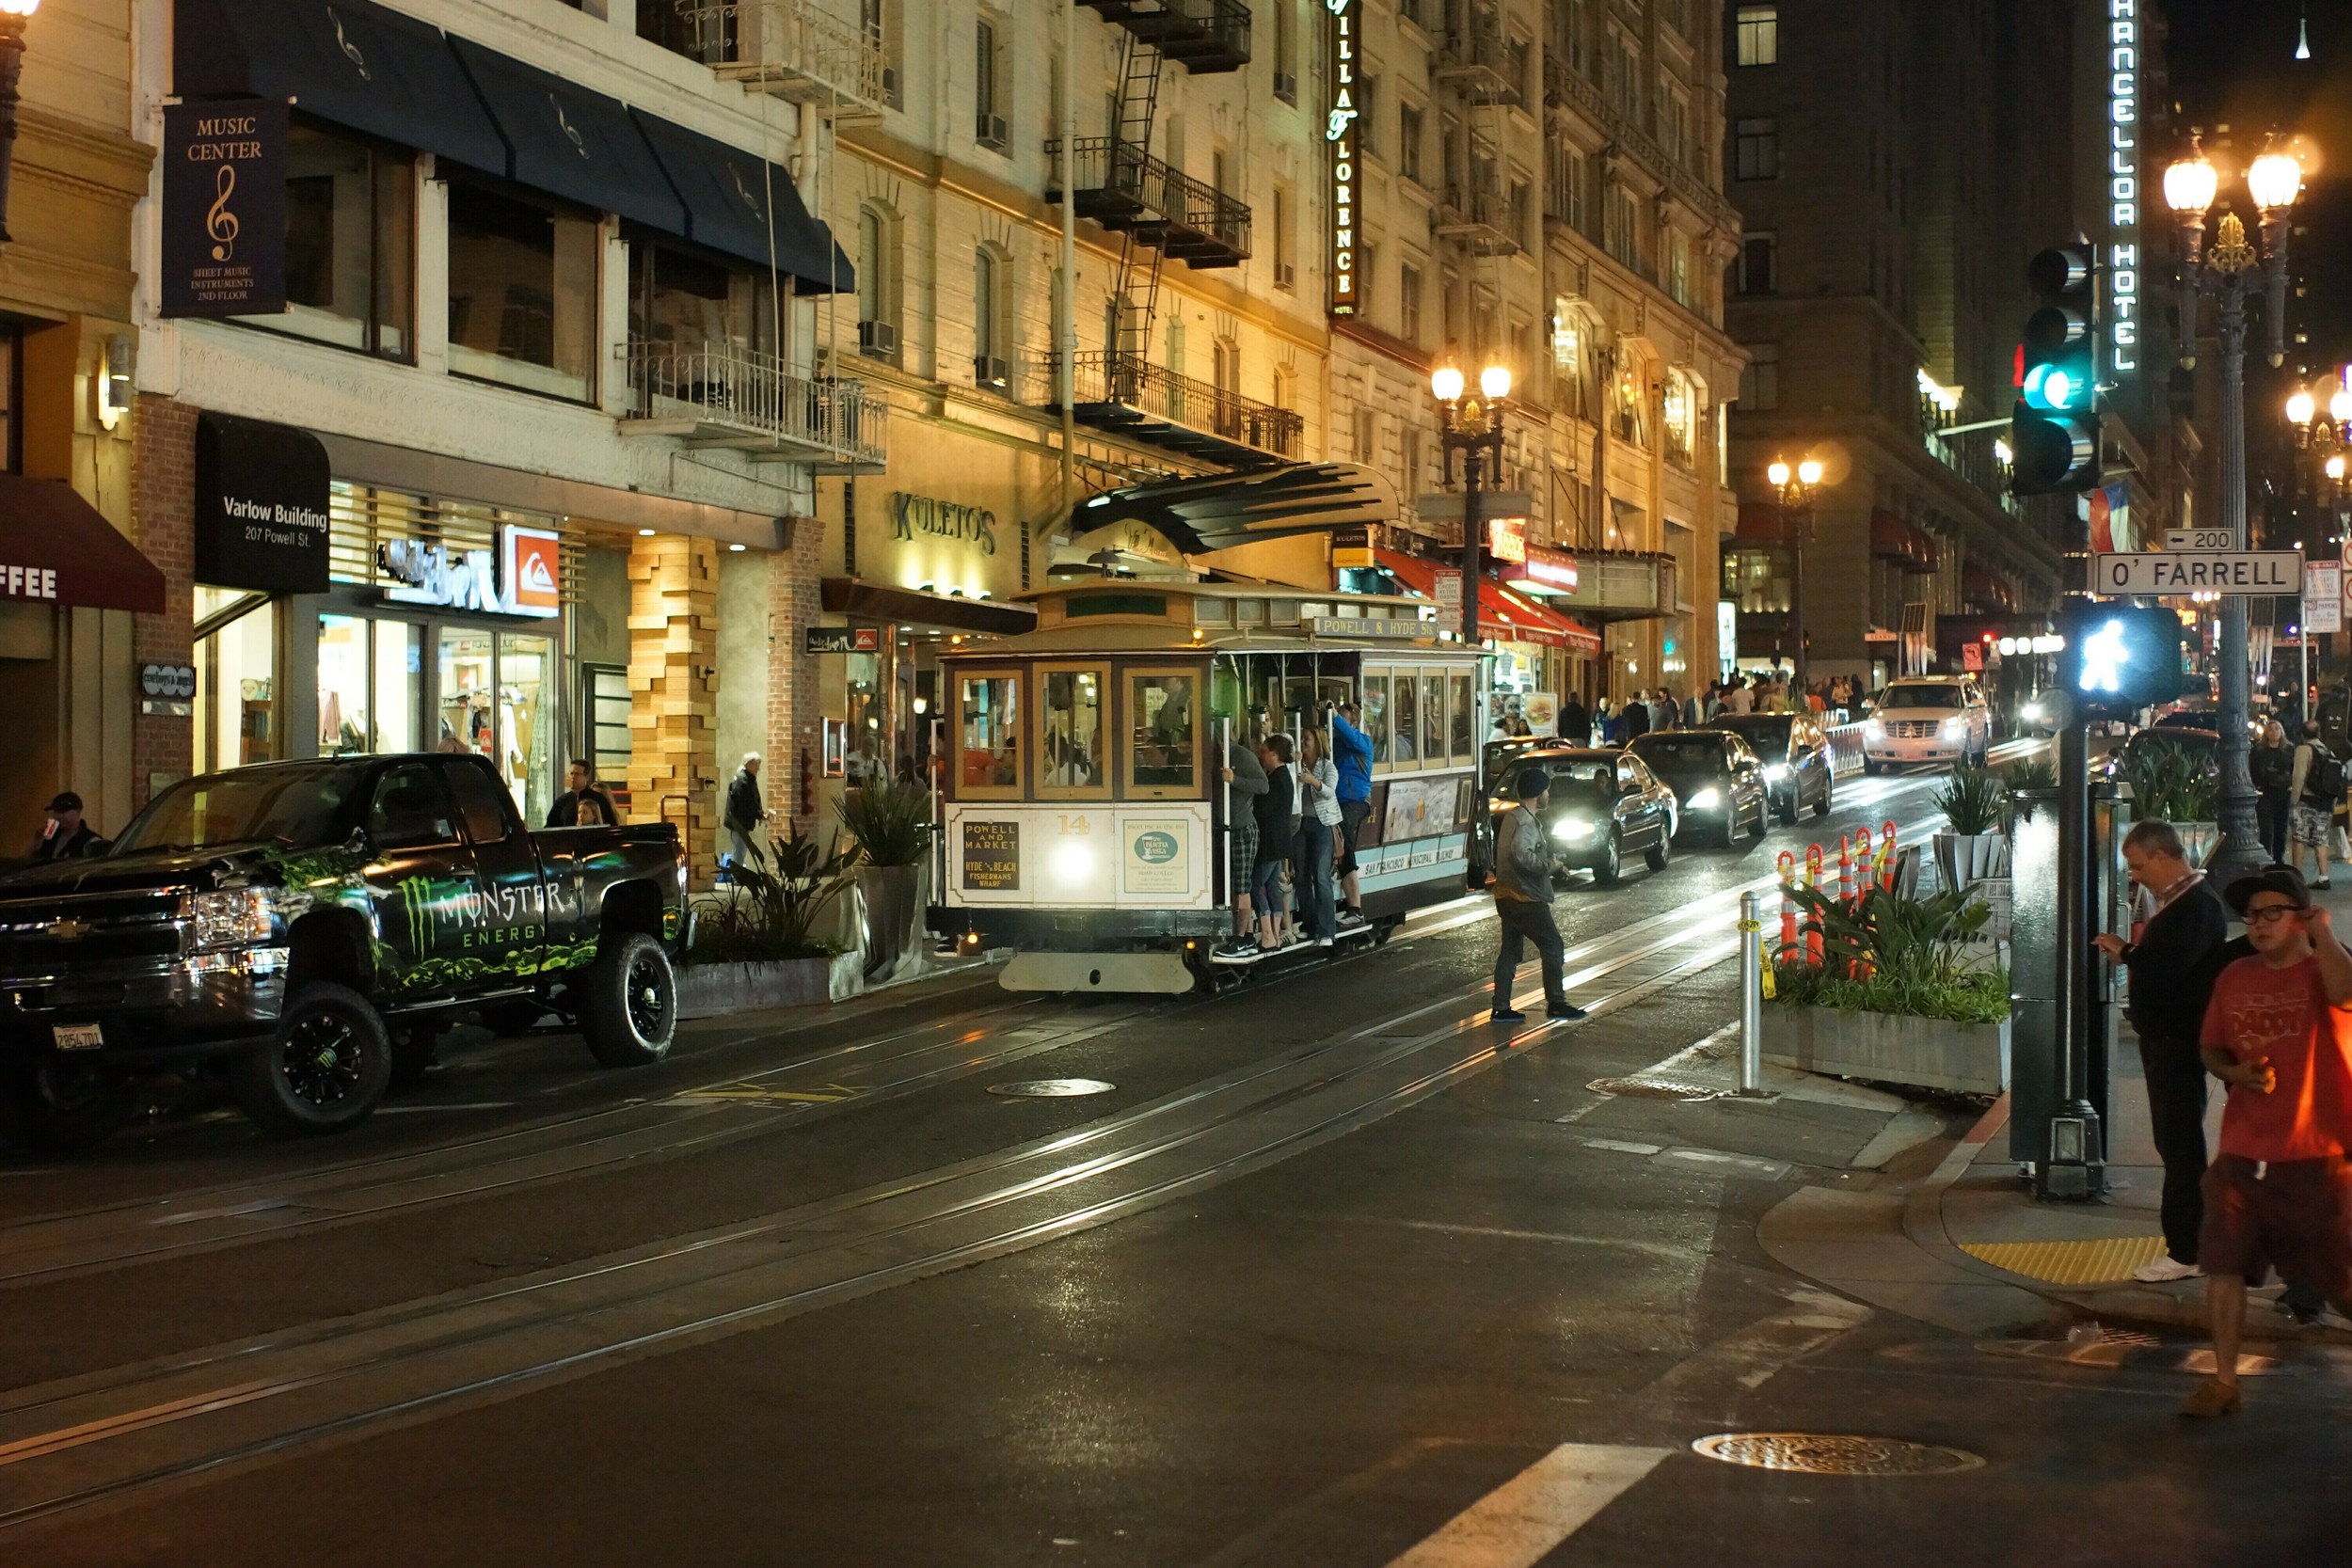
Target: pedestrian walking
1634, 720
2279, 1194
1737, 699
1352, 752
2316, 784
744, 810
1318, 836
65, 837
2172, 981
583, 802
1576, 721
1524, 864
2272, 764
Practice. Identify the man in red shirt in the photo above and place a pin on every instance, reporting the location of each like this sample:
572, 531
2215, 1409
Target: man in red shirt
2279, 1194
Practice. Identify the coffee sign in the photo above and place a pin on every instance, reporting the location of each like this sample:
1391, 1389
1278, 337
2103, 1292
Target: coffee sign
224, 218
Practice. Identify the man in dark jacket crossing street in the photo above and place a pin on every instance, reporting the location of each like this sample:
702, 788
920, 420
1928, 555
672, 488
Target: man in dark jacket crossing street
1523, 863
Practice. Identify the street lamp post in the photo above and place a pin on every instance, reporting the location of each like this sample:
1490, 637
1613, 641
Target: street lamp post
14, 15
1472, 427
1794, 489
2320, 445
2229, 270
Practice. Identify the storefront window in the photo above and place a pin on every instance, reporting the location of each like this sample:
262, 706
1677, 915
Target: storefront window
1165, 753
350, 244
693, 302
1465, 736
527, 721
988, 730
523, 292
235, 684
1407, 737
1376, 717
370, 678
1070, 732
862, 760
467, 714
1433, 719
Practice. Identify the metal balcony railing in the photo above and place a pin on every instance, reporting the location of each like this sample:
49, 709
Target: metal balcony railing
1480, 219
1122, 187
721, 395
1125, 391
1477, 57
795, 49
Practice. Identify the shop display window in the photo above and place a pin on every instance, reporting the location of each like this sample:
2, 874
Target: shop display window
236, 670
1164, 734
351, 223
988, 735
1072, 755
371, 678
527, 732
860, 760
522, 291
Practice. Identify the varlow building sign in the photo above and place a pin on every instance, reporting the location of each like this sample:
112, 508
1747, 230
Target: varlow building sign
224, 216
910, 514
260, 506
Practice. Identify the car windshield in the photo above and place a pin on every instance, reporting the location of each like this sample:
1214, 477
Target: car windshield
1569, 775
1921, 696
1764, 731
1682, 752
291, 805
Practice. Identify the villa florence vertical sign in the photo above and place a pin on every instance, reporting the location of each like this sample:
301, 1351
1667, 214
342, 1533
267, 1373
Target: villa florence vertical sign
224, 241
1340, 132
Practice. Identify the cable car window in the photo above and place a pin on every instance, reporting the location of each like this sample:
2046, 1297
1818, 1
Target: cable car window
1465, 741
1405, 741
1071, 755
988, 735
1163, 737
1432, 719
1376, 718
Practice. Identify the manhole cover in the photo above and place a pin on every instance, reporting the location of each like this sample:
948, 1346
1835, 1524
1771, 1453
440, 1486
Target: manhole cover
1051, 1089
1820, 1454
1653, 1089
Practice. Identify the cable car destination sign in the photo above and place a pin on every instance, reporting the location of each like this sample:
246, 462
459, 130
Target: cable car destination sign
2255, 573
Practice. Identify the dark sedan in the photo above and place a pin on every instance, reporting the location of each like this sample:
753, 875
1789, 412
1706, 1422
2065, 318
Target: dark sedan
1715, 776
1798, 768
1605, 805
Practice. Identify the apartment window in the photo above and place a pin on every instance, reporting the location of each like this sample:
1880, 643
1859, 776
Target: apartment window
877, 285
1755, 148
1523, 214
1408, 304
1679, 417
1759, 382
1568, 15
1568, 186
1367, 275
1674, 127
992, 319
1567, 360
1624, 80
522, 291
987, 86
1367, 112
1618, 229
1225, 371
1518, 59
1409, 135
351, 224
1757, 39
1285, 249
1286, 50
1679, 266
1361, 435
682, 300
1758, 264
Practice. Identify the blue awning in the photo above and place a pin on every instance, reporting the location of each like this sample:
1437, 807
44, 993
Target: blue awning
731, 197
570, 142
352, 62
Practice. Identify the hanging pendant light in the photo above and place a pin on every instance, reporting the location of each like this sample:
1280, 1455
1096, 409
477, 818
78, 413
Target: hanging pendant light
2304, 35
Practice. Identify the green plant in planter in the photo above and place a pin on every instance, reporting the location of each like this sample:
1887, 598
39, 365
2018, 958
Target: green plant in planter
2171, 784
1971, 802
767, 912
1890, 953
891, 823
2032, 773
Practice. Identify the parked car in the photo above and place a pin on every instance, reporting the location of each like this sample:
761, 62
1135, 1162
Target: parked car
308, 927
1927, 719
1799, 768
1605, 805
1716, 777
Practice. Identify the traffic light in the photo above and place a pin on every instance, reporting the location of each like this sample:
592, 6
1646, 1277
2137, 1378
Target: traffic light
2118, 658
2054, 431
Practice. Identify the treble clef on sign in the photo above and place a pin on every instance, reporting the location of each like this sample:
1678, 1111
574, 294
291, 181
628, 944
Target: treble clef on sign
219, 222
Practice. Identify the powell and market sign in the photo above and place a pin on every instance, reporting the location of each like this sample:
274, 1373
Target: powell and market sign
224, 218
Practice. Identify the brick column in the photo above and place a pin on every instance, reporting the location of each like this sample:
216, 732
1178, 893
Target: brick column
163, 524
673, 692
795, 706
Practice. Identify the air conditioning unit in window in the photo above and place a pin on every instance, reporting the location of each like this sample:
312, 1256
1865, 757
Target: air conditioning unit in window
991, 133
890, 85
1285, 275
879, 340
989, 370
1286, 85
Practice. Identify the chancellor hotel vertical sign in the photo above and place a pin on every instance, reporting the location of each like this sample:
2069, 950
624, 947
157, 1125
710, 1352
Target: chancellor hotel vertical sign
1339, 130
224, 240
2122, 61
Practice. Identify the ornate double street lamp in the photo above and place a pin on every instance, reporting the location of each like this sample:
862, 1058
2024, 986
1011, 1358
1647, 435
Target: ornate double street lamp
2229, 269
1795, 489
1473, 427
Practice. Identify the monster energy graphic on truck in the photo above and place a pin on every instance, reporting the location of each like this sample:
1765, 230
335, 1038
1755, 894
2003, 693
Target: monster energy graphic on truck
490, 939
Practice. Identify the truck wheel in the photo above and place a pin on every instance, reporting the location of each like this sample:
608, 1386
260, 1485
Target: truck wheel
628, 1003
65, 1108
323, 1071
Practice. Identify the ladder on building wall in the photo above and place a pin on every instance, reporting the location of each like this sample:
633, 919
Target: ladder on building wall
1131, 149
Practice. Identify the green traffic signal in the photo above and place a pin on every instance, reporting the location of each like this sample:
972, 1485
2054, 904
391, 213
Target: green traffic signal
2054, 434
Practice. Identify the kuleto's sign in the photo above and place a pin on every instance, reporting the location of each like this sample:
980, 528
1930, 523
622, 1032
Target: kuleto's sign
1339, 130
224, 218
911, 514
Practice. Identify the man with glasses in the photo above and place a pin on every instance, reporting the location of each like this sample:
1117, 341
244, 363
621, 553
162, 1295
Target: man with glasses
2279, 1194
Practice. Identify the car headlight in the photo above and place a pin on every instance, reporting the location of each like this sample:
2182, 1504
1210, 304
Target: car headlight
1873, 729
1073, 862
1775, 770
1706, 799
1572, 828
2031, 711
1955, 727
233, 917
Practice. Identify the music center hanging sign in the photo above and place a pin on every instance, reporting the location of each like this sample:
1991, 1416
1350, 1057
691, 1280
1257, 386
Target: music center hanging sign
224, 240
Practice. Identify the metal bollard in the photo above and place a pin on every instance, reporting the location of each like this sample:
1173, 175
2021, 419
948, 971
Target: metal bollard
1751, 993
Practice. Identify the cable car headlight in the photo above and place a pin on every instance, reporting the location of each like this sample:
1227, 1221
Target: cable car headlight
1073, 862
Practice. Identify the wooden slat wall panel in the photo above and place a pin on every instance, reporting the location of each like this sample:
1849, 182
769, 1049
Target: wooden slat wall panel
673, 692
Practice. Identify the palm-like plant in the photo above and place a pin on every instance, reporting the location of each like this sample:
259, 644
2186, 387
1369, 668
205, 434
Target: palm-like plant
891, 823
2171, 784
1890, 954
1971, 800
769, 911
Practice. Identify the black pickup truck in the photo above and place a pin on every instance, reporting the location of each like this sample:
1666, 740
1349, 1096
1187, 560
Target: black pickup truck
310, 928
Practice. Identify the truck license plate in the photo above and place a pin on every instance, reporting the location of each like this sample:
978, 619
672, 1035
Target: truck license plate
79, 1036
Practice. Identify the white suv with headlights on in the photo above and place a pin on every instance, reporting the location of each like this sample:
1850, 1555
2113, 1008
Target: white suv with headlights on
1927, 719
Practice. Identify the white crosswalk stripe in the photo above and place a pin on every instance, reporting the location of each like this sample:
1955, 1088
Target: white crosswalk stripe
1518, 1523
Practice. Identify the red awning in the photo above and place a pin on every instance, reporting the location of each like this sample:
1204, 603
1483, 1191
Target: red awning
1506, 615
1896, 540
1978, 583
1418, 574
58, 549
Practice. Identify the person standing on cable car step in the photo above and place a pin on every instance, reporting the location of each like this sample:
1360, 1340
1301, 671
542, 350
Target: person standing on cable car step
1523, 863
1351, 748
1246, 782
1278, 830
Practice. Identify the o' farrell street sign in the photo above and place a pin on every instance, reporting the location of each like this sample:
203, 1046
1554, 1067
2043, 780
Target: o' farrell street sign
2249, 572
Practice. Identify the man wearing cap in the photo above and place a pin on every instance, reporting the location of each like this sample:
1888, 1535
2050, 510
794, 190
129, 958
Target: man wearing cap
65, 837
1523, 862
2280, 1192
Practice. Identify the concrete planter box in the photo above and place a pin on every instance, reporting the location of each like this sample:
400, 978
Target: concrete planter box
708, 991
2198, 840
1963, 860
1889, 1048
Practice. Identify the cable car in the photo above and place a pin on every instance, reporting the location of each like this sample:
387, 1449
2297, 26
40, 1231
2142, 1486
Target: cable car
1085, 819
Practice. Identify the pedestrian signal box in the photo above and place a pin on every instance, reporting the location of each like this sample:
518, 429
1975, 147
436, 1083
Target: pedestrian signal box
2120, 659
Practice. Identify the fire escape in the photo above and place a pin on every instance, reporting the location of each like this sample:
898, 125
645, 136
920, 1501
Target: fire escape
1160, 212
1477, 63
